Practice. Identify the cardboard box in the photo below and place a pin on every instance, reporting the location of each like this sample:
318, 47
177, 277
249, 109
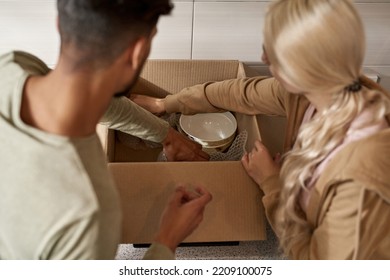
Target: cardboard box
235, 213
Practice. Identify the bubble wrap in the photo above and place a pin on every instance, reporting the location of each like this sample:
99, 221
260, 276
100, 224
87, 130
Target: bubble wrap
235, 151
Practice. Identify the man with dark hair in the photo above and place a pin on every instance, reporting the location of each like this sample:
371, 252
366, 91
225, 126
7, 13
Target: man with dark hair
58, 200
94, 33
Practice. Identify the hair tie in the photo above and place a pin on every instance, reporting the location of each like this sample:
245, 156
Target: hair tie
354, 87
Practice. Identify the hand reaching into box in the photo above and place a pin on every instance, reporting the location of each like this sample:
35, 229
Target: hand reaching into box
182, 216
178, 147
152, 104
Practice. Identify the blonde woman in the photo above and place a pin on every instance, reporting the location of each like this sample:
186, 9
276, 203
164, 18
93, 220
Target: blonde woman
330, 199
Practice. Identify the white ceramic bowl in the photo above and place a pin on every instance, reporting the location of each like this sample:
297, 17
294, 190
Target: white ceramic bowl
211, 130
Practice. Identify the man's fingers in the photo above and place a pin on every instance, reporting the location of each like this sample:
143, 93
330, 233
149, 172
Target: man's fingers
245, 160
191, 195
204, 198
202, 153
201, 156
201, 190
182, 195
259, 145
178, 196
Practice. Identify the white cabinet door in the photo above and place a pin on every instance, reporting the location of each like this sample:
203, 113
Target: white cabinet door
174, 36
30, 26
228, 30
376, 19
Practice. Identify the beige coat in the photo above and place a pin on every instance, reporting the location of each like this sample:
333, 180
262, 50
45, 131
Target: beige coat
349, 208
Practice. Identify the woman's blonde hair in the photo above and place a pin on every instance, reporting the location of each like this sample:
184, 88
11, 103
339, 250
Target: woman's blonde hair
317, 46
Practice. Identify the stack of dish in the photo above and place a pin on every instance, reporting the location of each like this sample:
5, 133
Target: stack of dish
214, 131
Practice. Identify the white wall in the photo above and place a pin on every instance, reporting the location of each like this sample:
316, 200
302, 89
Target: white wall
29, 25
198, 29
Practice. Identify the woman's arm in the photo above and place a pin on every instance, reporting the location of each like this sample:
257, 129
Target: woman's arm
258, 95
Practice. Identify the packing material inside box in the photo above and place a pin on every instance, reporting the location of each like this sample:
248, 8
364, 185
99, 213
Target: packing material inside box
235, 213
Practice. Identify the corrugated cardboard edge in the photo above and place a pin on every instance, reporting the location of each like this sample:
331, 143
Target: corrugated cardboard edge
107, 139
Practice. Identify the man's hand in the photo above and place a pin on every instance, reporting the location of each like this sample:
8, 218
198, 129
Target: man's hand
182, 216
178, 147
259, 164
152, 104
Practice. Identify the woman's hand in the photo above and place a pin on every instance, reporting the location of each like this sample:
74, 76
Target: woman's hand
259, 163
152, 104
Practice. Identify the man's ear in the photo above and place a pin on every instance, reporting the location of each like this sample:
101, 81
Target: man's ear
137, 52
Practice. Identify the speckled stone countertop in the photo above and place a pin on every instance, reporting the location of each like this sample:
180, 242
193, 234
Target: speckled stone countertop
251, 250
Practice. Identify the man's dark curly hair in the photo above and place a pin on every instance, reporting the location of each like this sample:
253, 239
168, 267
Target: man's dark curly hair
102, 29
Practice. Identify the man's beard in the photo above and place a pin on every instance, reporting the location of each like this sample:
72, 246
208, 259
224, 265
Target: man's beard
126, 92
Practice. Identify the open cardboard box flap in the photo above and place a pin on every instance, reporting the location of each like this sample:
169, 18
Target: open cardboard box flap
235, 213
